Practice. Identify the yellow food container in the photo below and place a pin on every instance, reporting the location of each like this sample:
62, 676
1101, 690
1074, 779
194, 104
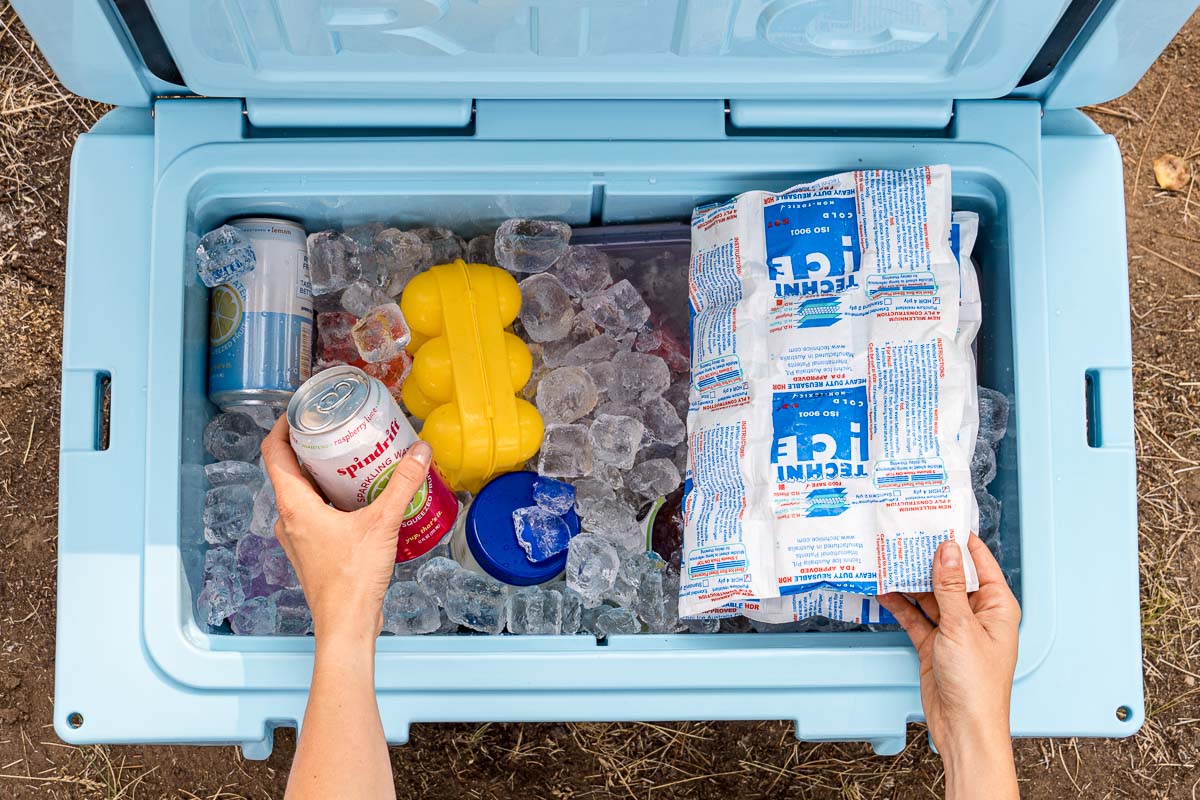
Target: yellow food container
466, 371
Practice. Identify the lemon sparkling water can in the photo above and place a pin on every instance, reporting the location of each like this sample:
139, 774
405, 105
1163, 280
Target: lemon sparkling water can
349, 434
260, 332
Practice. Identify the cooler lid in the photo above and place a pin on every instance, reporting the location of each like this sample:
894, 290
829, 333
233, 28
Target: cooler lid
721, 49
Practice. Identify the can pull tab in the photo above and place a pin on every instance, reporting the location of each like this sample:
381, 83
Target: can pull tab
335, 395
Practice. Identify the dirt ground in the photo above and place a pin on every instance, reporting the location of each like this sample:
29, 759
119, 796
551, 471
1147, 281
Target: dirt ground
39, 122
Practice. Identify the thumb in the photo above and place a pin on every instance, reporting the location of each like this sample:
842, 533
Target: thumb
407, 477
950, 584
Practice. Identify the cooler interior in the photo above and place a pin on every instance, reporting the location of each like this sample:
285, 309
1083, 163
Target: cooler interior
478, 205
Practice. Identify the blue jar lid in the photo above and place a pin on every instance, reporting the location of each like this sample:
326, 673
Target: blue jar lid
493, 540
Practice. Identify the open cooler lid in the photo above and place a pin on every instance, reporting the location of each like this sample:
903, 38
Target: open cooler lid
1066, 52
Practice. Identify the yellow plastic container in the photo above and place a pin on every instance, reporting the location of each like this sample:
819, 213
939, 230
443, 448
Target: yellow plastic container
466, 370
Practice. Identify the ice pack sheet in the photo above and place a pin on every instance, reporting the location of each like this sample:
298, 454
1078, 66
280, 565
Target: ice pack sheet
831, 388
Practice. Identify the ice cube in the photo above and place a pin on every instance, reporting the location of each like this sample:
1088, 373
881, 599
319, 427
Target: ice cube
334, 339
616, 622
615, 440
657, 601
557, 497
618, 308
541, 534
592, 565
584, 270
600, 349
566, 394
265, 514
566, 452
233, 437
582, 330
654, 478
639, 378
662, 421
333, 261
360, 297
993, 414
434, 577
263, 416
382, 334
482, 250
591, 494
983, 464
476, 601
530, 245
407, 570
227, 511
572, 606
409, 611
603, 374
680, 459
546, 309
217, 559
222, 255
535, 611
220, 596
393, 373
624, 590
399, 255
444, 245
249, 553
989, 516
678, 394
365, 233
294, 618
225, 473
611, 518
257, 616
703, 624
277, 568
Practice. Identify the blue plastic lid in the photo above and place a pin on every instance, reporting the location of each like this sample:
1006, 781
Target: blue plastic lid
493, 541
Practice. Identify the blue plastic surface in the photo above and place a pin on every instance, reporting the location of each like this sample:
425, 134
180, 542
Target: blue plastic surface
90, 51
534, 48
458, 50
1048, 193
490, 536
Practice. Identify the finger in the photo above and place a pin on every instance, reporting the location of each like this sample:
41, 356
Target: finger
985, 563
928, 604
292, 487
950, 584
909, 616
406, 478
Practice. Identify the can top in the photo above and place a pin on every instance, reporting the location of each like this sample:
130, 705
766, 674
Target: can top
328, 399
492, 540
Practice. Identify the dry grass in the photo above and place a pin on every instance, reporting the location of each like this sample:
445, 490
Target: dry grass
39, 121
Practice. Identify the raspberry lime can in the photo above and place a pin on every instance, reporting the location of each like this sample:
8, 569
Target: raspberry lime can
349, 434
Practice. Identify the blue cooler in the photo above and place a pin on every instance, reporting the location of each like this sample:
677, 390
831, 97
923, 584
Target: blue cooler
464, 112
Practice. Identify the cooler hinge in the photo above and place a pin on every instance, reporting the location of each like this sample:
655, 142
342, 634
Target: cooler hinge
758, 115
349, 113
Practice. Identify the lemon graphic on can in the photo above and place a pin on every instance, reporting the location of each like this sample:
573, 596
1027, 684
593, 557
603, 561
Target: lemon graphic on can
380, 483
226, 315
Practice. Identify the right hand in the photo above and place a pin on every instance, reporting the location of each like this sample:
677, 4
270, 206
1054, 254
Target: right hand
344, 559
967, 645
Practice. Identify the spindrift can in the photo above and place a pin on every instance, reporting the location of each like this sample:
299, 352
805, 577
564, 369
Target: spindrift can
261, 325
348, 433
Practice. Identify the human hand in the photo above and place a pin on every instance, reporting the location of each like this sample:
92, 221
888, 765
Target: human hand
344, 559
967, 646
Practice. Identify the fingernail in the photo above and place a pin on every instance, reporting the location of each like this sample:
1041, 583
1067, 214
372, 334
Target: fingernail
950, 554
422, 453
